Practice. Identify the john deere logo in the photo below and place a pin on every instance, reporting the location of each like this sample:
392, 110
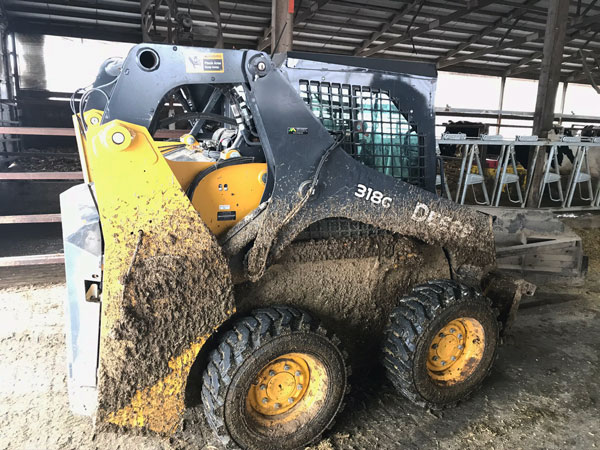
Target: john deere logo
297, 130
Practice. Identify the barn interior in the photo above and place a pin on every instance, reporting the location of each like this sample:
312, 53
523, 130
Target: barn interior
517, 135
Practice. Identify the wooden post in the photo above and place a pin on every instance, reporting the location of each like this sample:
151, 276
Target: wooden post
282, 26
554, 43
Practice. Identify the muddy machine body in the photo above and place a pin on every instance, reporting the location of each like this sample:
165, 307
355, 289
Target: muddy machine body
228, 269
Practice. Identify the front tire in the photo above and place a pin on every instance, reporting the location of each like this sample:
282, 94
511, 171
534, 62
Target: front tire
440, 343
275, 381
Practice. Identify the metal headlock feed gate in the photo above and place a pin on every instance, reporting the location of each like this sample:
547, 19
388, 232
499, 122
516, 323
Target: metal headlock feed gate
535, 244
506, 174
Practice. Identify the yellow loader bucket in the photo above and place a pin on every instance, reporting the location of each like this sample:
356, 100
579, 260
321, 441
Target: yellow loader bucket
166, 283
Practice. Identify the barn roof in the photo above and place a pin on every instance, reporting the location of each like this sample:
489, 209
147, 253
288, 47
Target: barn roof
501, 38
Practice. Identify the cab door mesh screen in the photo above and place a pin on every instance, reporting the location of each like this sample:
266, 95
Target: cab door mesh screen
377, 132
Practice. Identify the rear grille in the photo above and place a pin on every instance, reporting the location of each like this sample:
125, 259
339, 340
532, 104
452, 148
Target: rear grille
338, 228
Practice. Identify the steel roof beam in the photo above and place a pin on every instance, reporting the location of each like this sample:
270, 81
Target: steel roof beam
310, 12
442, 29
406, 7
316, 40
494, 49
425, 28
571, 36
513, 43
231, 12
434, 14
235, 10
256, 36
514, 14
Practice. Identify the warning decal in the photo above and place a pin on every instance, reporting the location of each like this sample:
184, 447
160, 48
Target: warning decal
204, 63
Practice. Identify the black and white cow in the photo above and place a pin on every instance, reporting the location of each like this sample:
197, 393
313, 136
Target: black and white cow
566, 165
470, 129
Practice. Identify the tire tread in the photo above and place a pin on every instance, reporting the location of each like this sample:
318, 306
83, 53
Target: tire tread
409, 322
245, 336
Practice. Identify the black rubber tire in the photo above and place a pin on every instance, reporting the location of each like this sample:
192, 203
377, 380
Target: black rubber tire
243, 351
412, 326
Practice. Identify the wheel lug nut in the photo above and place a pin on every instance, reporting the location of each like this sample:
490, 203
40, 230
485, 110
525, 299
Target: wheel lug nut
435, 358
460, 347
265, 400
442, 335
434, 346
290, 400
298, 373
452, 330
271, 373
286, 367
262, 387
453, 358
299, 387
460, 336
443, 363
277, 406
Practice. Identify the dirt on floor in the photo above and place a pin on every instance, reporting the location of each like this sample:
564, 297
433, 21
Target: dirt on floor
591, 247
544, 391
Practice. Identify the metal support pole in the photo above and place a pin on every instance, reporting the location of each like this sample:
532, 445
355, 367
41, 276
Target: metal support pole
562, 101
500, 105
554, 43
9, 113
282, 25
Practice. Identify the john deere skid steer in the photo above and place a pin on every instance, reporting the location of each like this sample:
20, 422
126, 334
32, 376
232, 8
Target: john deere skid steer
288, 229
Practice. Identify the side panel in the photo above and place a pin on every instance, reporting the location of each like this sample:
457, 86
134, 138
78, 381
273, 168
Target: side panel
83, 265
351, 190
226, 195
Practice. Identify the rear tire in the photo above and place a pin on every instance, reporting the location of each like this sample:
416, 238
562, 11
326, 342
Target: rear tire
275, 381
440, 343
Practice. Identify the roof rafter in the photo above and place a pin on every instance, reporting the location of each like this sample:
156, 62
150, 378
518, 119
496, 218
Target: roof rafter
406, 7
572, 58
475, 5
470, 36
484, 51
514, 14
523, 65
513, 43
576, 74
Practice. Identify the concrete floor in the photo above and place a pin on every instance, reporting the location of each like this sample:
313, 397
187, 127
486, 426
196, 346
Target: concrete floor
544, 391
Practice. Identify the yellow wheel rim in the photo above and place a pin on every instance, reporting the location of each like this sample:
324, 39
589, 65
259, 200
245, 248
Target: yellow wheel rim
289, 388
456, 351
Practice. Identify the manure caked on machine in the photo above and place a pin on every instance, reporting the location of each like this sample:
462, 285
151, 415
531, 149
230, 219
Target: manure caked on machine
291, 230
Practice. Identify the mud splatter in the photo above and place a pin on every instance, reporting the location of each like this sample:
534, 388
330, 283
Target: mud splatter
351, 284
176, 290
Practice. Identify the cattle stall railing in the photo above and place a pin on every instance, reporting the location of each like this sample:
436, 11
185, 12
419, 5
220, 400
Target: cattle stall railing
570, 163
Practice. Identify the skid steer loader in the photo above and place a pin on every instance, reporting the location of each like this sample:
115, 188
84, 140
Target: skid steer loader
291, 230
